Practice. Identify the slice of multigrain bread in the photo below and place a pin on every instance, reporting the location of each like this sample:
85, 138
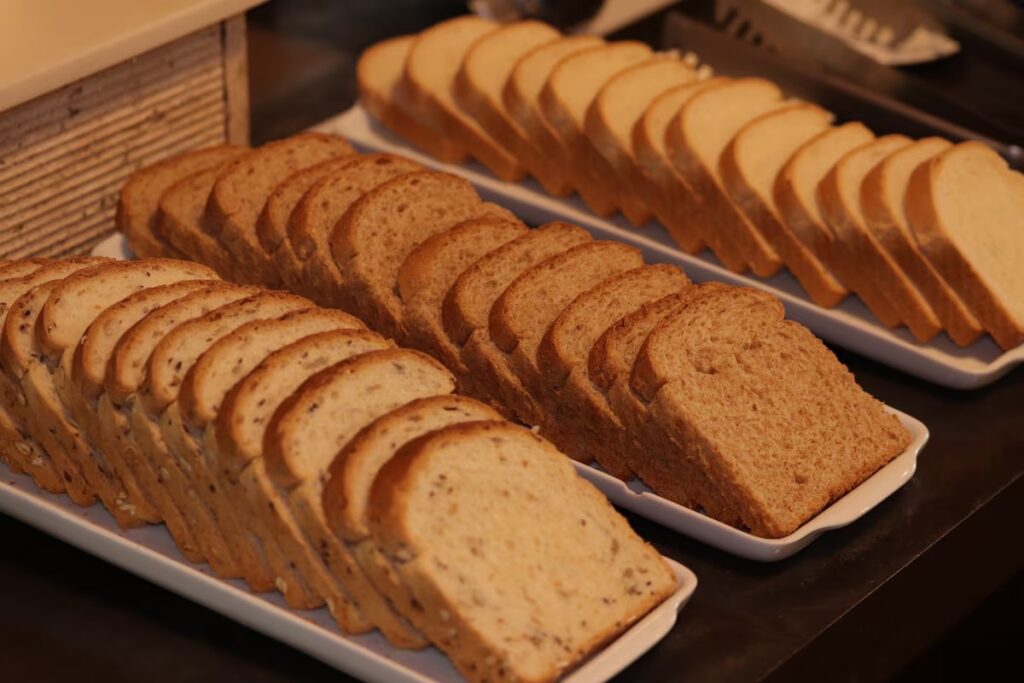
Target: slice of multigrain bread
778, 458
882, 194
569, 395
140, 196
469, 567
429, 272
243, 186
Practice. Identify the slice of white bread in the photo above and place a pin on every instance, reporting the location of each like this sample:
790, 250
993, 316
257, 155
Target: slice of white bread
965, 208
797, 183
695, 139
429, 80
655, 179
570, 89
236, 440
140, 196
484, 73
272, 224
749, 167
431, 269
873, 273
468, 304
777, 459
378, 78
882, 195
472, 596
17, 269
521, 98
568, 394
317, 213
610, 120
243, 186
379, 230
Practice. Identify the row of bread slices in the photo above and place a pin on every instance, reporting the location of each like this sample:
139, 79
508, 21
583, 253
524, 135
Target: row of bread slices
924, 232
288, 445
575, 336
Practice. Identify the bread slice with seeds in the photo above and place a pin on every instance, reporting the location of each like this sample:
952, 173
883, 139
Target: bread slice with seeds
467, 582
243, 186
140, 197
428, 273
882, 195
567, 392
778, 460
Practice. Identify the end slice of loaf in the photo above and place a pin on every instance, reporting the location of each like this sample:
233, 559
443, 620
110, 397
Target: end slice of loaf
882, 194
965, 208
468, 564
779, 458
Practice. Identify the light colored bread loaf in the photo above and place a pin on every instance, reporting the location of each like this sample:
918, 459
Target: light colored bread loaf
695, 139
749, 168
521, 98
965, 208
140, 197
869, 269
882, 195
780, 458
656, 180
568, 393
429, 81
468, 591
611, 118
378, 77
570, 89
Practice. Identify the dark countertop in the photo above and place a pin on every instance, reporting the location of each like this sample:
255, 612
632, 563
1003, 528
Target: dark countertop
858, 604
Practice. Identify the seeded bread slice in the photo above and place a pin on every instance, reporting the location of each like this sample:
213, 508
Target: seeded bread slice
521, 100
778, 459
140, 196
469, 572
468, 304
610, 120
695, 139
179, 221
570, 89
318, 212
380, 229
379, 77
871, 271
568, 394
429, 80
655, 180
243, 186
965, 209
429, 272
882, 195
749, 168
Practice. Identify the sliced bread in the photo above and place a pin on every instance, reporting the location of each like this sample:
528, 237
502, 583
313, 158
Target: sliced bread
965, 208
695, 139
487, 586
610, 120
868, 268
140, 196
882, 195
431, 68
778, 457
749, 167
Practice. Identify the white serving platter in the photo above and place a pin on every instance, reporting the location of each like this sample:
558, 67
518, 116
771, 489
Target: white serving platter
849, 325
150, 553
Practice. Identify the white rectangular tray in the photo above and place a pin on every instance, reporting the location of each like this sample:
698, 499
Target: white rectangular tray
849, 325
636, 497
150, 552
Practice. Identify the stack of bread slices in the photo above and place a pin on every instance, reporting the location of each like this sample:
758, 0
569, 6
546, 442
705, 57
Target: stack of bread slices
704, 392
926, 233
287, 445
